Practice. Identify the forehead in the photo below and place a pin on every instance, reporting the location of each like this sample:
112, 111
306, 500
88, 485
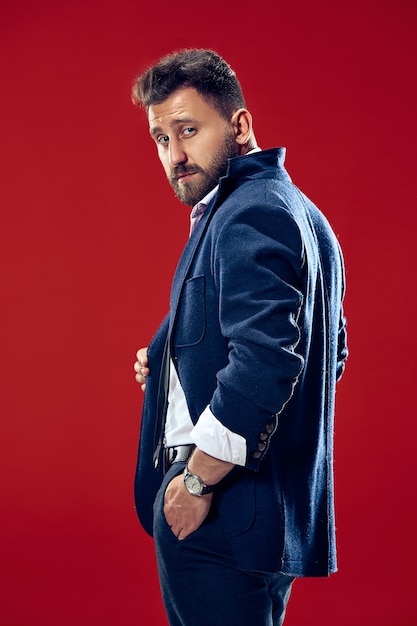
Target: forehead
185, 104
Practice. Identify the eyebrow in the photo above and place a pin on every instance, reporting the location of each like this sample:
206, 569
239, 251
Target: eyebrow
155, 130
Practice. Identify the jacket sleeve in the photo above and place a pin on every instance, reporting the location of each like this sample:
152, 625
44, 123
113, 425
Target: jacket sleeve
257, 264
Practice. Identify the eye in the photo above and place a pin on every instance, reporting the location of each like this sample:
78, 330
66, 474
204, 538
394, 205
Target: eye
162, 140
189, 130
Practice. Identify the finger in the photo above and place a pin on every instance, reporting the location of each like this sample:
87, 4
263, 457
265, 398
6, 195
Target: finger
141, 382
140, 378
139, 368
141, 372
142, 356
183, 534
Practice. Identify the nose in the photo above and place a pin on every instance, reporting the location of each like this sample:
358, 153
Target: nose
176, 153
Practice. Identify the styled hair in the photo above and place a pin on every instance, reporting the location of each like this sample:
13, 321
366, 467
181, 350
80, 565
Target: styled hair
203, 70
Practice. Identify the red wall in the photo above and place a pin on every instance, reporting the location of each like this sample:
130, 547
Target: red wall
86, 264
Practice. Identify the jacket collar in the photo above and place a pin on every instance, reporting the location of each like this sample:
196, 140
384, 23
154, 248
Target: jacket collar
263, 164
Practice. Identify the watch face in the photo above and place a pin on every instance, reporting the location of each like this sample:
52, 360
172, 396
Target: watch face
193, 484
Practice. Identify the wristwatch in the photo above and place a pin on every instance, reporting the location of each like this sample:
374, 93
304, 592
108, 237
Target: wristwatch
195, 485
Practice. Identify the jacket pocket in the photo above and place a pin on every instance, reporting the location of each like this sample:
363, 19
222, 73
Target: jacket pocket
237, 504
190, 325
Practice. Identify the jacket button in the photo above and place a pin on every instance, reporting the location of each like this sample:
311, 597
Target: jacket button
263, 436
261, 446
269, 428
256, 455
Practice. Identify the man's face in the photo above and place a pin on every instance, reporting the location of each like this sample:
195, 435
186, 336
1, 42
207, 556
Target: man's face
194, 143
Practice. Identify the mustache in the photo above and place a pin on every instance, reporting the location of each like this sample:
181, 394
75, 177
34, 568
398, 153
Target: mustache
182, 169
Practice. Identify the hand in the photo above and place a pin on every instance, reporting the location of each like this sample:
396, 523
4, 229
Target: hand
184, 512
141, 367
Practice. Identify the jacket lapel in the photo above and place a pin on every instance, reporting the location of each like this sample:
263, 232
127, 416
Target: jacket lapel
186, 259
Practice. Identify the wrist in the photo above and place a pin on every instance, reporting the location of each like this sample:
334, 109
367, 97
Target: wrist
195, 484
210, 469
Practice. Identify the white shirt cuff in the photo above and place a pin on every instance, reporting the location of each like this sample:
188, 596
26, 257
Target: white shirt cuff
210, 436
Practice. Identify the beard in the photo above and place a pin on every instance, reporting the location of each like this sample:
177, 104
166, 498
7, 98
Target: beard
191, 192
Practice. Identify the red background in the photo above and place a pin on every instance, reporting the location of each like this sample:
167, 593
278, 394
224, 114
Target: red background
90, 234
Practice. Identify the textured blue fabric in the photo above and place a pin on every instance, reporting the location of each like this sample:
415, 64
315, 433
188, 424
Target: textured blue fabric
201, 583
256, 330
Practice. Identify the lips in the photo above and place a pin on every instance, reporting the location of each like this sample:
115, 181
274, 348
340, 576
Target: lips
185, 176
182, 173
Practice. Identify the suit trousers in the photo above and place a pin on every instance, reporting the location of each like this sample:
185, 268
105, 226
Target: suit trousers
200, 581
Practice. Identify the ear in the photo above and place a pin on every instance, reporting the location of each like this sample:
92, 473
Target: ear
241, 121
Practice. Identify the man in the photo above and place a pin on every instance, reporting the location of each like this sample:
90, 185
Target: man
235, 477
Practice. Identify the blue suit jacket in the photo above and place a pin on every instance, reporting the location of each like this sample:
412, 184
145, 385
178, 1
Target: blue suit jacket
256, 330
